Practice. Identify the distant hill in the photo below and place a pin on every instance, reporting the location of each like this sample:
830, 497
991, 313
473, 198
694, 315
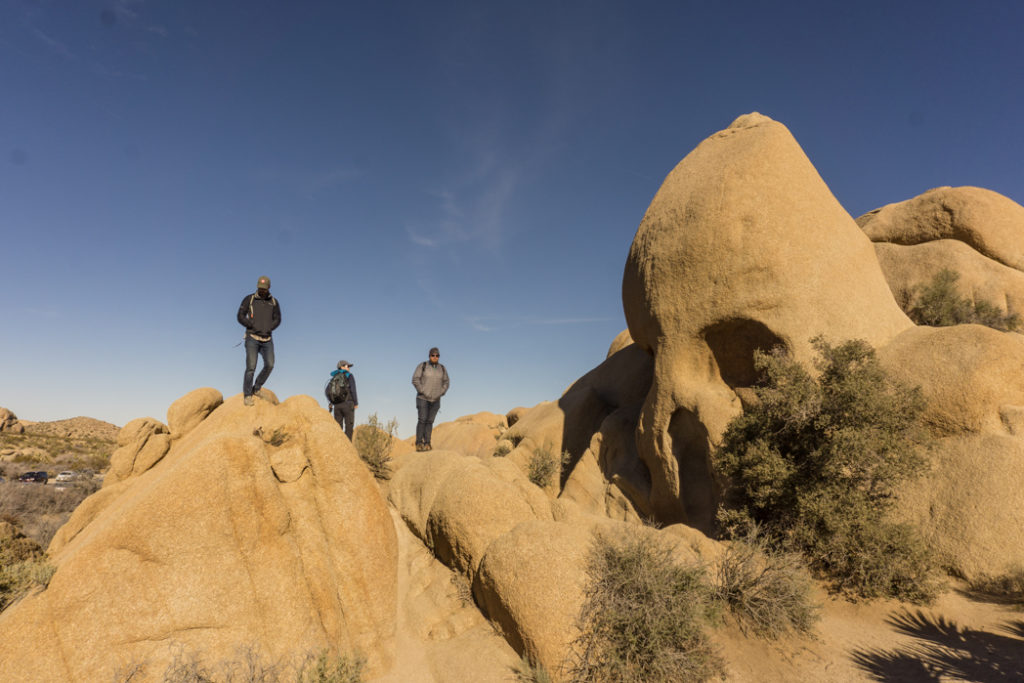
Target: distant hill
74, 428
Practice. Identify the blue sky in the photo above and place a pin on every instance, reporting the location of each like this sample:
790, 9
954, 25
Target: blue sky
461, 174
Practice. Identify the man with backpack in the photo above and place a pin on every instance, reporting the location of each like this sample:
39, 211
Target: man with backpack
259, 314
342, 398
431, 381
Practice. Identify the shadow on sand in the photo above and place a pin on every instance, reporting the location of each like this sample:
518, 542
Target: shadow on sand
944, 650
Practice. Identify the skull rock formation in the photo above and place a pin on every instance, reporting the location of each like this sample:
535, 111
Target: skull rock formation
742, 248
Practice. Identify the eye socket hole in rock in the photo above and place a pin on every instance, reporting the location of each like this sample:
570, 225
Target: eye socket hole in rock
733, 342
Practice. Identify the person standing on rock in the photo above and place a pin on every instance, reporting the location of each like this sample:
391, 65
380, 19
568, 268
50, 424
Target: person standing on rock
342, 397
431, 381
259, 314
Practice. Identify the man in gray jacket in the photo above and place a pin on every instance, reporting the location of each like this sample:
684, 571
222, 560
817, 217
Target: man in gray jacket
431, 381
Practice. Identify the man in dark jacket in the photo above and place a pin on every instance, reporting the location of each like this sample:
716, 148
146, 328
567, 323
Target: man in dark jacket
345, 409
259, 314
431, 381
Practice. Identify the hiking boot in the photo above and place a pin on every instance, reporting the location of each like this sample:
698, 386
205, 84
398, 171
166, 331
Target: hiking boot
427, 447
419, 447
248, 400
256, 392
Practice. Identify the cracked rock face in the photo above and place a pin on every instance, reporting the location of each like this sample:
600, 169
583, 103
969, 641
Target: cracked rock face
743, 248
259, 528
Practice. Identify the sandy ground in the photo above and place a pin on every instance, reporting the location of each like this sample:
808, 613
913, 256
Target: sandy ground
956, 639
443, 639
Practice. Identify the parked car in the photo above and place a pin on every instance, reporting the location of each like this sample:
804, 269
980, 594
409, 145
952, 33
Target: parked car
66, 475
37, 477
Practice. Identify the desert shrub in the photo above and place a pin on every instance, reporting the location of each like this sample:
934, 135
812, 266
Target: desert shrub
373, 443
767, 590
40, 510
326, 668
543, 465
644, 616
23, 565
502, 449
249, 666
530, 672
816, 463
1008, 587
939, 304
463, 589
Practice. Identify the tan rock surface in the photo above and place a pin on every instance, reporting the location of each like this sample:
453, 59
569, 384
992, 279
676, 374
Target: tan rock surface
985, 220
908, 268
743, 247
7, 419
260, 527
471, 434
191, 409
966, 372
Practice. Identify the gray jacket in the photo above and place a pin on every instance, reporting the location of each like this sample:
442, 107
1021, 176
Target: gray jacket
430, 380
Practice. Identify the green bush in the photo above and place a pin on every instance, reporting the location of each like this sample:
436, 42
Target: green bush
816, 462
373, 442
768, 591
939, 304
644, 617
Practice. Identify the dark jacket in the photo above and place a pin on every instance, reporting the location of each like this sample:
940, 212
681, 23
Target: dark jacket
430, 380
259, 316
352, 396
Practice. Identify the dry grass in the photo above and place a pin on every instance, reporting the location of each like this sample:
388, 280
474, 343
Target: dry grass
373, 442
645, 617
544, 465
769, 592
38, 509
249, 666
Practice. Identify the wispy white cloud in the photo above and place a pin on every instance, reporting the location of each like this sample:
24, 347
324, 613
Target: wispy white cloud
419, 239
309, 182
55, 45
491, 323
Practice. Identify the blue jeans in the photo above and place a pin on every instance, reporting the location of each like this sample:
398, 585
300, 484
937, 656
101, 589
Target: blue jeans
266, 350
425, 412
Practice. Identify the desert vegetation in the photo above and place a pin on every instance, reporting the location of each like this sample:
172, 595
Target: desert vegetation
647, 616
373, 442
1005, 588
940, 304
815, 463
250, 667
84, 453
23, 565
544, 465
768, 591
39, 510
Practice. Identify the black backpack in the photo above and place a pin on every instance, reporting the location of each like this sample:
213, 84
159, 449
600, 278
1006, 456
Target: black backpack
337, 389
